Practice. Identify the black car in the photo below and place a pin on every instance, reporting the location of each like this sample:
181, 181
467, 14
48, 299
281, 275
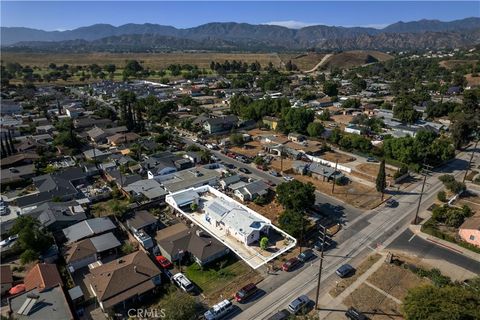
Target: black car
280, 315
306, 255
354, 314
391, 203
345, 270
318, 244
230, 166
244, 170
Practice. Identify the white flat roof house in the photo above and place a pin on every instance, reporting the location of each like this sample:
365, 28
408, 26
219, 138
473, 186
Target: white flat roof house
235, 225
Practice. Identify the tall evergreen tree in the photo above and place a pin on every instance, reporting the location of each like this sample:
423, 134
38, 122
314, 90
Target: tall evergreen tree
381, 182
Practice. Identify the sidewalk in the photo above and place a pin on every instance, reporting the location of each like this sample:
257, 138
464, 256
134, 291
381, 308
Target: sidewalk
443, 243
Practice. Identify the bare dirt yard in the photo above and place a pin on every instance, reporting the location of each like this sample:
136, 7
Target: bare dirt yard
334, 156
271, 210
354, 193
361, 269
342, 119
369, 171
250, 149
373, 303
472, 81
395, 280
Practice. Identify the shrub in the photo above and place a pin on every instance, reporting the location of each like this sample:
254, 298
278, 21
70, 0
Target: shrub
400, 172
260, 200
442, 196
28, 256
194, 206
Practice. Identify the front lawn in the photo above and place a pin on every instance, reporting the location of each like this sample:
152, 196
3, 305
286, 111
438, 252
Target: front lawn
218, 273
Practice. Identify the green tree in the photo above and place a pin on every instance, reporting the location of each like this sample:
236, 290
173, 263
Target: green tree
325, 115
236, 139
264, 243
381, 181
292, 222
178, 305
296, 195
119, 209
441, 196
330, 88
441, 303
297, 119
132, 69
315, 129
127, 247
28, 256
31, 236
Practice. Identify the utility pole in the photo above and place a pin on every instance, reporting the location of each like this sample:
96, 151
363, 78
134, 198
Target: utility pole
425, 172
320, 267
470, 162
301, 234
334, 176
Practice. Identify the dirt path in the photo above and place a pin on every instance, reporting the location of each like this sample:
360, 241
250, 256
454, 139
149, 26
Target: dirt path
321, 63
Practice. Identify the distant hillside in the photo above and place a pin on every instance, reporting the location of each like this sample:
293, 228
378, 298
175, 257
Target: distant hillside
423, 34
355, 58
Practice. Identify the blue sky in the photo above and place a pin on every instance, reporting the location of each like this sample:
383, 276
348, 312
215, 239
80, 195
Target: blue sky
63, 15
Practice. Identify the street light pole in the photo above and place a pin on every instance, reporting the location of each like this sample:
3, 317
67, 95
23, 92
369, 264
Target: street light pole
320, 268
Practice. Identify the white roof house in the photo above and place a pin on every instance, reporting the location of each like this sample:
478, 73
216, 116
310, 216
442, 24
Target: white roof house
233, 224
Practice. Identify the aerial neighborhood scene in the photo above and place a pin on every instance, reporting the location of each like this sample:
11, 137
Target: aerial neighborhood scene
240, 160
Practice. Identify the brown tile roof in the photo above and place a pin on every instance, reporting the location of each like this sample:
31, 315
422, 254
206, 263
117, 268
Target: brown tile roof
42, 276
123, 278
181, 238
120, 138
79, 250
472, 223
6, 274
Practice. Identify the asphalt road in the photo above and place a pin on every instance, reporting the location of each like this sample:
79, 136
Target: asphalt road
426, 249
363, 232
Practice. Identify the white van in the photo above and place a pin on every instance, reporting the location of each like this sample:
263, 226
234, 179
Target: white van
219, 310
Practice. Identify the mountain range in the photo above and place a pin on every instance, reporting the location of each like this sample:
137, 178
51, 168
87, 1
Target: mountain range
422, 34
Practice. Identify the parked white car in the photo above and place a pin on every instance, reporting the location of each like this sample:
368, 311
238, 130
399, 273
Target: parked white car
183, 282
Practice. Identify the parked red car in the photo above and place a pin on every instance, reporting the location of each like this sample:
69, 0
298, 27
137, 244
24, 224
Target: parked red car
164, 262
231, 155
243, 294
290, 264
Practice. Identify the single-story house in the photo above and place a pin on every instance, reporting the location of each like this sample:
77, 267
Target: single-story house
127, 279
227, 181
296, 137
149, 189
42, 276
469, 231
178, 240
252, 190
122, 138
6, 278
142, 220
35, 304
80, 254
88, 228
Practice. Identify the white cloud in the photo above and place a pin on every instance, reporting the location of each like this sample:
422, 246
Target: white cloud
292, 24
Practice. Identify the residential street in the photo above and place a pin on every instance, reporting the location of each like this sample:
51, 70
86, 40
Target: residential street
362, 233
425, 249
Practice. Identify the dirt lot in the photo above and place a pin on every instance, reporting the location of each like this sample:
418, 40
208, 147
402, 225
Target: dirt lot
369, 171
395, 280
276, 164
361, 269
303, 61
472, 81
334, 156
354, 193
373, 303
271, 210
342, 119
250, 149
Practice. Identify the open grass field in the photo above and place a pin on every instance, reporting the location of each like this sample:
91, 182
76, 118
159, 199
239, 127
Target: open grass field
153, 61
349, 59
303, 61
449, 64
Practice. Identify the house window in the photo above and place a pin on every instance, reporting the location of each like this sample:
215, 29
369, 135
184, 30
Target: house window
472, 237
